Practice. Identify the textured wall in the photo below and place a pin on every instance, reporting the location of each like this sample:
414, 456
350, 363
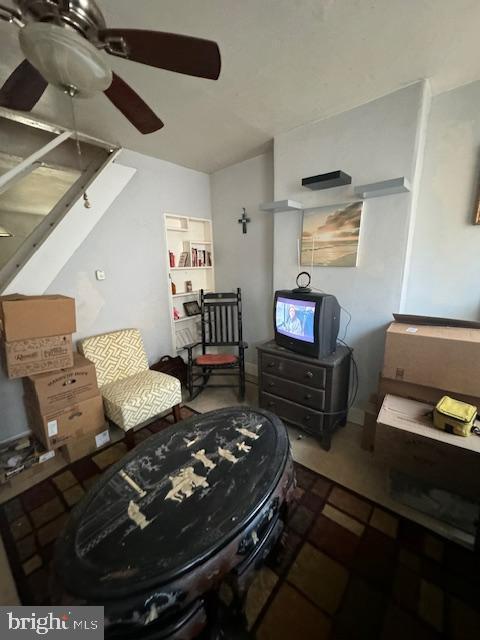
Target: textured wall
374, 142
444, 269
246, 260
128, 243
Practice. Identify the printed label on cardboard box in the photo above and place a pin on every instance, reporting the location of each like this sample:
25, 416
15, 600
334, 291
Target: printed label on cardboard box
52, 428
37, 355
102, 438
61, 389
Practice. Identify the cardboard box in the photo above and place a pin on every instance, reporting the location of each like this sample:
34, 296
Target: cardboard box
21, 455
35, 355
81, 446
455, 510
23, 317
431, 395
407, 441
55, 428
35, 473
54, 391
434, 356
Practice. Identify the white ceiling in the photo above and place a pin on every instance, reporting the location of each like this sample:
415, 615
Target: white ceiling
285, 63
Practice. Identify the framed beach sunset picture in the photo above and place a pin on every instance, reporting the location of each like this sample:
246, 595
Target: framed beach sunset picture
330, 236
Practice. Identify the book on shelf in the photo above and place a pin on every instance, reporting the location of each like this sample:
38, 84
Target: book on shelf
184, 260
201, 258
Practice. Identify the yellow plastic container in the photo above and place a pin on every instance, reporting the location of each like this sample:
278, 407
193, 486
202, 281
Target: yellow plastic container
454, 416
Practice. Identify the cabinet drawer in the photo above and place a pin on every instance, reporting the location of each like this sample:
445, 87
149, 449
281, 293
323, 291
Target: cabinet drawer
314, 398
294, 370
291, 412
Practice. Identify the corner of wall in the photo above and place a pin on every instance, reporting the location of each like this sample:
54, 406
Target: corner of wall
417, 170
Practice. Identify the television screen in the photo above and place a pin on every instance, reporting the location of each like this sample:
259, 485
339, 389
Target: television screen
294, 318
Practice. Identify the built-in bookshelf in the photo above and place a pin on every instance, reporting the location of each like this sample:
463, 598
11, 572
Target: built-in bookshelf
190, 259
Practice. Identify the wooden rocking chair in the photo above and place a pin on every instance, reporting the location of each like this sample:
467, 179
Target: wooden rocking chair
221, 325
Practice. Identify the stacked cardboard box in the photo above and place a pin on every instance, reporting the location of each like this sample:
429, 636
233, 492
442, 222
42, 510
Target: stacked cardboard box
407, 441
64, 405
430, 470
36, 333
424, 362
82, 446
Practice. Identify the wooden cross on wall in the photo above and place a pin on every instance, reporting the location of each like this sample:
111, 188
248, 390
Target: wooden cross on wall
244, 220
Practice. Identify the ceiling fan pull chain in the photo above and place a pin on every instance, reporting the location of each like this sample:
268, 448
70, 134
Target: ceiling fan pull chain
71, 93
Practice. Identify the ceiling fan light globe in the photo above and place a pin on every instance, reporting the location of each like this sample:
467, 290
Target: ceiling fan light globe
65, 59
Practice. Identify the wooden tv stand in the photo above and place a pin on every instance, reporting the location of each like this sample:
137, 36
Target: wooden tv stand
306, 392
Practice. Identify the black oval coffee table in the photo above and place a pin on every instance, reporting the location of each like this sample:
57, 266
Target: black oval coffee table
200, 503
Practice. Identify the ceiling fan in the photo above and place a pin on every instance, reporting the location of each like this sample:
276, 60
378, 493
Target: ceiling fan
61, 41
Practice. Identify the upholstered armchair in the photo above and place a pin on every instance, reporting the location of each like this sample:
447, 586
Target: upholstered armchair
132, 393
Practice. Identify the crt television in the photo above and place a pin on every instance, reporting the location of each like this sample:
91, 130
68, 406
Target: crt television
306, 322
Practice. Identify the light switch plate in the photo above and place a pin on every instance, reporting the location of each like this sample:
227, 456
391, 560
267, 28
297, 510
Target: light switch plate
100, 275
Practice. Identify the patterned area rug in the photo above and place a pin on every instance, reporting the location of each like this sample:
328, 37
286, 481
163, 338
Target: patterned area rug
349, 569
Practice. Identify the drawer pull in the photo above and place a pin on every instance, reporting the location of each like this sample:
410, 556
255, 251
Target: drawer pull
271, 384
309, 375
271, 403
307, 396
307, 418
271, 364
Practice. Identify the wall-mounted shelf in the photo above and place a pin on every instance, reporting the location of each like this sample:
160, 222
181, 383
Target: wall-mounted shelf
188, 268
184, 318
384, 188
363, 191
184, 294
282, 205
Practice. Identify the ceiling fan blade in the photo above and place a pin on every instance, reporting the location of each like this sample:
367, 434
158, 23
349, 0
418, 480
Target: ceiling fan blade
23, 88
182, 54
132, 106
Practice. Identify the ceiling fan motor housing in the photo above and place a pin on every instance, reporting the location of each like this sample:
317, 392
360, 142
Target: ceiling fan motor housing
82, 15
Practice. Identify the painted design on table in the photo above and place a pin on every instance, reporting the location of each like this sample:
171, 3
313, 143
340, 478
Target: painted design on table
137, 488
133, 484
207, 463
184, 484
228, 455
137, 516
247, 433
191, 442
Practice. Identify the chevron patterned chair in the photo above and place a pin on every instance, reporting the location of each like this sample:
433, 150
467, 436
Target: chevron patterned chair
132, 393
